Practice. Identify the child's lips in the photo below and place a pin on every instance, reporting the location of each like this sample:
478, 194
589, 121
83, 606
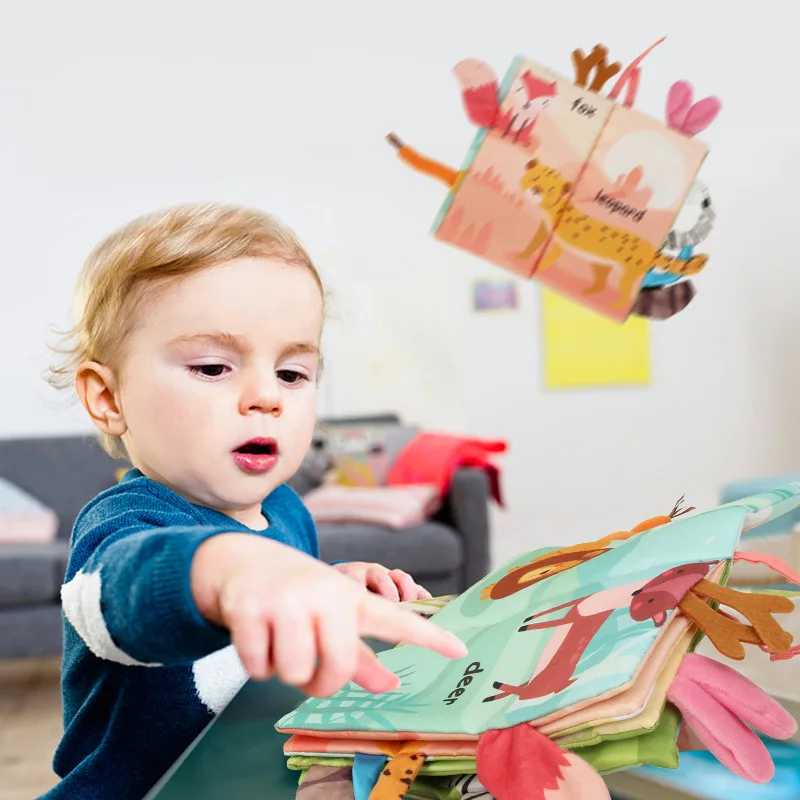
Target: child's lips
255, 463
256, 455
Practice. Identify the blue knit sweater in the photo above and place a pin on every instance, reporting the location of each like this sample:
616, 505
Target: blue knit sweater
143, 673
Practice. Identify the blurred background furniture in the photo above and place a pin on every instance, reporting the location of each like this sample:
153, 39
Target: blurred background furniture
446, 553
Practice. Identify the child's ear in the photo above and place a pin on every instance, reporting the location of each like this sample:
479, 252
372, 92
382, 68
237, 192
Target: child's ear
96, 386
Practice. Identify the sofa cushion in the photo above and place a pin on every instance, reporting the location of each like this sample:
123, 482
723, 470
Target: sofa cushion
31, 632
23, 519
428, 549
396, 507
32, 573
63, 472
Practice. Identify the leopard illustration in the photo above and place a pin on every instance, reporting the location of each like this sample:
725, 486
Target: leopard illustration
608, 245
396, 779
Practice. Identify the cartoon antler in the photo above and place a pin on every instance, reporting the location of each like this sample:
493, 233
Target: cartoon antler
728, 634
596, 59
677, 511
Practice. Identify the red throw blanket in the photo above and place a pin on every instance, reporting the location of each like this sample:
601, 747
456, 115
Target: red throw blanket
434, 457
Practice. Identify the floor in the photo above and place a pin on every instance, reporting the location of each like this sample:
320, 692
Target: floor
30, 727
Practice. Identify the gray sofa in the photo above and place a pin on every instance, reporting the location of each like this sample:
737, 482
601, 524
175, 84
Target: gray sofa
446, 554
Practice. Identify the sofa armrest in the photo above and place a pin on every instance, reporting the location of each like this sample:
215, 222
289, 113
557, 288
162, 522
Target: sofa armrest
466, 508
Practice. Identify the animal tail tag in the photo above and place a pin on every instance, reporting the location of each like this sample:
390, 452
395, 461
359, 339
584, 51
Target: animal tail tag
630, 77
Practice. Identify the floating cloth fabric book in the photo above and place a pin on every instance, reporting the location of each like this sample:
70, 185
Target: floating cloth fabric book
580, 663
574, 189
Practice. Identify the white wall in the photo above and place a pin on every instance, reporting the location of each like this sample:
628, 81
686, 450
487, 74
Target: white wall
111, 110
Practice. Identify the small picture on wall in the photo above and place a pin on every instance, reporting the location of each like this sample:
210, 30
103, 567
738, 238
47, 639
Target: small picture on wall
494, 295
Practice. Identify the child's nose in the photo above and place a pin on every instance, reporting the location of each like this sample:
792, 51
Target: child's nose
262, 395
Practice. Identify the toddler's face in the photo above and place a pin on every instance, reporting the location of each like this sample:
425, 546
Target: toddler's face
218, 383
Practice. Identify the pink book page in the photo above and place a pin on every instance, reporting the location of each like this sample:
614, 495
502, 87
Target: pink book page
542, 116
620, 212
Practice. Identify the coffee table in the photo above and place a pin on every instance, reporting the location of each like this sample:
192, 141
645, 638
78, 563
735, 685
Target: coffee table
240, 754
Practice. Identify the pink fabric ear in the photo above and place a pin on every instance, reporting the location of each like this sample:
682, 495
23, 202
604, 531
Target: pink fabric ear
716, 702
687, 118
679, 99
701, 115
722, 732
740, 695
520, 763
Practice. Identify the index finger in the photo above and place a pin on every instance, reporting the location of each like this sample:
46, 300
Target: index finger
392, 623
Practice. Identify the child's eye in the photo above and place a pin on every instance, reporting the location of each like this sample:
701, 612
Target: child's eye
209, 370
291, 376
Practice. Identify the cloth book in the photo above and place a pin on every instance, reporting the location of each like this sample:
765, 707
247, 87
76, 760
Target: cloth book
581, 662
577, 189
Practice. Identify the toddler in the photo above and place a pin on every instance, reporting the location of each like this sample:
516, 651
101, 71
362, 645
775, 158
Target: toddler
196, 353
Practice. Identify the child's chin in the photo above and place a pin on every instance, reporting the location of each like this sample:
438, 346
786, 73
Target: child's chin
252, 488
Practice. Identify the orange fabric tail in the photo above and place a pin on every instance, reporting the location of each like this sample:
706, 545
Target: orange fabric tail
428, 166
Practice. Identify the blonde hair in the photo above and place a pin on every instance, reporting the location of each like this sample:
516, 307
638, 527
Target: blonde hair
160, 247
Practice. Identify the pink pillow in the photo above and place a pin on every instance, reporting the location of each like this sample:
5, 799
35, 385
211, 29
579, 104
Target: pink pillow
391, 506
23, 518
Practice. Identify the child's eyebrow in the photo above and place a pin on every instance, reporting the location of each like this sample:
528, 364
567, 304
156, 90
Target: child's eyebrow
228, 341
240, 344
301, 348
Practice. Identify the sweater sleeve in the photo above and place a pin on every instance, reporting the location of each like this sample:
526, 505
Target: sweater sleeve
128, 592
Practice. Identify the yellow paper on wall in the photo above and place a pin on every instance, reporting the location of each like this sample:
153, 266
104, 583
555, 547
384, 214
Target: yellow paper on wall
582, 348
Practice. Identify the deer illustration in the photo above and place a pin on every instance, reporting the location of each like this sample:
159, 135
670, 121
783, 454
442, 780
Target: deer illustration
684, 588
574, 631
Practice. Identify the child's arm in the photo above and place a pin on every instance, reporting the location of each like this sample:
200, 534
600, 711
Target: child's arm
127, 591
297, 618
141, 591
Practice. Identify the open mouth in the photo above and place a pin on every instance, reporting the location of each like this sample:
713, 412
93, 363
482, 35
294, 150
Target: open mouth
256, 455
258, 447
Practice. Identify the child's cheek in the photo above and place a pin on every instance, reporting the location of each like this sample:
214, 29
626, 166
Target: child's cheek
167, 406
